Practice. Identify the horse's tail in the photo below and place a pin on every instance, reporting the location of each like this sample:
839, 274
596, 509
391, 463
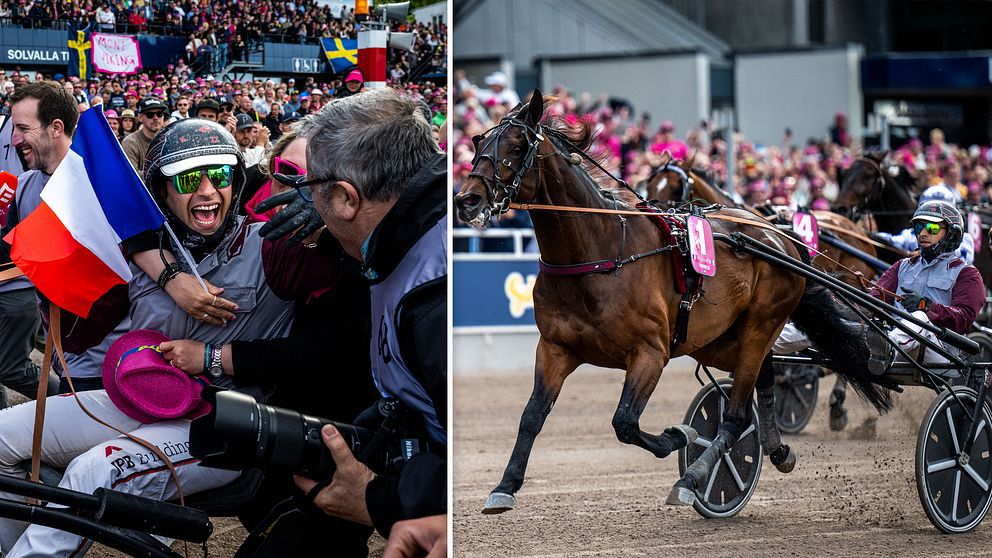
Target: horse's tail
837, 334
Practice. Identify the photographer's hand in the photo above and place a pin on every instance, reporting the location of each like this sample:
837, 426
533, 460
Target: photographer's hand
345, 496
418, 537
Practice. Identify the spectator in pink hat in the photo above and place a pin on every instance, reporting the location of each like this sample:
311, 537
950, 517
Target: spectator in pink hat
665, 140
114, 121
352, 84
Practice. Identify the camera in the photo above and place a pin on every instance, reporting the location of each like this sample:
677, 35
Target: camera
240, 432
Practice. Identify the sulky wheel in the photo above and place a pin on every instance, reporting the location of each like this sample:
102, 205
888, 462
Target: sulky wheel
796, 387
733, 479
954, 487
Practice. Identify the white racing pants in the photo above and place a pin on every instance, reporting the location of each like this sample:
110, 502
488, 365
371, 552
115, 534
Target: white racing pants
94, 456
791, 340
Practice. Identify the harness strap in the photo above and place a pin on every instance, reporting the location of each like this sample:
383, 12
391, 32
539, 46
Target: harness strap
598, 266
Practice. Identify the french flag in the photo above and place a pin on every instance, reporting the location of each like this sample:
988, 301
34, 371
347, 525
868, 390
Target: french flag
69, 245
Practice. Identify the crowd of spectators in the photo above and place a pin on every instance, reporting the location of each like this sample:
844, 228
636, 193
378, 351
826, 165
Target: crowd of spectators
790, 173
268, 105
220, 32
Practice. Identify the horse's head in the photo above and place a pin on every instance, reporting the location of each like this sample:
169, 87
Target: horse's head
670, 183
501, 170
861, 186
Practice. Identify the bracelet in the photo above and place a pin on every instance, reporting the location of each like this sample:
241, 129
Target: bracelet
207, 349
168, 274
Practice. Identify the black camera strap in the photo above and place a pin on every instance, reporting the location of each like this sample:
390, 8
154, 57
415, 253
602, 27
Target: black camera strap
393, 412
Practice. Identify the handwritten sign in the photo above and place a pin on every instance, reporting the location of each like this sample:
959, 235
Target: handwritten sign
975, 230
804, 225
116, 54
701, 251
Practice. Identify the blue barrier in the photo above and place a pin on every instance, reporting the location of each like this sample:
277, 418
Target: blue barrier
493, 292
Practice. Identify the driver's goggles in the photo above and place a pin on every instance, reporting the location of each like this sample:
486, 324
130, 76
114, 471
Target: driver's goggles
931, 228
189, 181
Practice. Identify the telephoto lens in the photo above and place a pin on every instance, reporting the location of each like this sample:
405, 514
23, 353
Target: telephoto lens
239, 433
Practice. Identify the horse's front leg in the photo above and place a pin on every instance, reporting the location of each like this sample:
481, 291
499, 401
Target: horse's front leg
554, 364
734, 419
642, 377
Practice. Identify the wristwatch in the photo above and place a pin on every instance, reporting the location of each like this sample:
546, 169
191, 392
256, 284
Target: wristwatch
216, 369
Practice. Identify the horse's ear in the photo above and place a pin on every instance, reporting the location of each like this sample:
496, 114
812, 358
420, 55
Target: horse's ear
666, 156
691, 161
536, 108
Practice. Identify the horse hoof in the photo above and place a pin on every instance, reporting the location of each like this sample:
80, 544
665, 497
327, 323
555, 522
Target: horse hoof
838, 419
787, 463
499, 502
680, 496
686, 431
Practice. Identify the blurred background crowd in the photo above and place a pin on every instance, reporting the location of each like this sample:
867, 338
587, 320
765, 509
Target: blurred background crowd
796, 172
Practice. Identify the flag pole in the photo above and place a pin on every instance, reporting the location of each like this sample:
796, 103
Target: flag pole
186, 256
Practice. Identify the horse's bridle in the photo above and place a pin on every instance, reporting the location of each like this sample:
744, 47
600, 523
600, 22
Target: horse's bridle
491, 151
684, 178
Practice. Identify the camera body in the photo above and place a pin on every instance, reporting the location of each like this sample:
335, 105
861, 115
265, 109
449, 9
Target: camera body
240, 432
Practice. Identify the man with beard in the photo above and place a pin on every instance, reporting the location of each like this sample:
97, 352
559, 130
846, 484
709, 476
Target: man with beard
44, 117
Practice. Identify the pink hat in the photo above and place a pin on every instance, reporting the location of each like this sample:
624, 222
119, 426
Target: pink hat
144, 386
110, 114
821, 204
354, 75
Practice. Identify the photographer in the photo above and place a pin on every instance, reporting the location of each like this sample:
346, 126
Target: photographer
388, 211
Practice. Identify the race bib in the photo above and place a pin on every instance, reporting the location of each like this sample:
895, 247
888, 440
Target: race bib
701, 251
804, 225
975, 230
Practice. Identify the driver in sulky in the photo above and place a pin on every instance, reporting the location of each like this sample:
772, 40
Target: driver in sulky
936, 285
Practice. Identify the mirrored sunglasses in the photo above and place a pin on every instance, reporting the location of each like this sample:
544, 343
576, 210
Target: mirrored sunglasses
931, 228
188, 182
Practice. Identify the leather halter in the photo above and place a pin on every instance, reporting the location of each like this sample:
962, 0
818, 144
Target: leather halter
490, 151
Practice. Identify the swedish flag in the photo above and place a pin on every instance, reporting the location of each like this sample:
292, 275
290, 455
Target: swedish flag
341, 53
79, 47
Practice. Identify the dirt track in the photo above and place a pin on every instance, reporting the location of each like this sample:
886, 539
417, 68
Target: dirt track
853, 493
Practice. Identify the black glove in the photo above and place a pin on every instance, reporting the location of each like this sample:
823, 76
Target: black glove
912, 301
298, 213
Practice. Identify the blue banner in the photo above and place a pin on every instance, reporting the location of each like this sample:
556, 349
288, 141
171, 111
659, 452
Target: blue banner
494, 293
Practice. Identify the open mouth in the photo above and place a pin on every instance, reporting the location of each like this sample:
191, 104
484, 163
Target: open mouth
205, 215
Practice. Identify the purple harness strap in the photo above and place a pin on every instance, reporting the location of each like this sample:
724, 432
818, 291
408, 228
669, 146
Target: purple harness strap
602, 266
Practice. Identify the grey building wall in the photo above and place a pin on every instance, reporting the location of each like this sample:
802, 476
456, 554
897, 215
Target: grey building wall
669, 86
521, 30
797, 89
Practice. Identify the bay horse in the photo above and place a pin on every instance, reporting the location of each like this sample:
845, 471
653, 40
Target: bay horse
675, 184
625, 318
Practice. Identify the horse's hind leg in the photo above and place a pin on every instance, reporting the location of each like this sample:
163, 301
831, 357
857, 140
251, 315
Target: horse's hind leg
554, 364
838, 414
642, 378
781, 455
735, 416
